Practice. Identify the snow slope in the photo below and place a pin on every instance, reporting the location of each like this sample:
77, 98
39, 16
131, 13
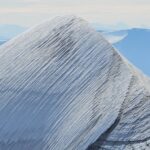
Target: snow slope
64, 87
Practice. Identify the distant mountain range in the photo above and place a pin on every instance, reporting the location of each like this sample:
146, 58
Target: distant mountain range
133, 44
2, 42
9, 31
115, 36
136, 47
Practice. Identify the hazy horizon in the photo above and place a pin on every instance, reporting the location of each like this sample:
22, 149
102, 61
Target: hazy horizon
104, 12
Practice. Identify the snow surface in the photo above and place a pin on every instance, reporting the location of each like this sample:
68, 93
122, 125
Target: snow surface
64, 87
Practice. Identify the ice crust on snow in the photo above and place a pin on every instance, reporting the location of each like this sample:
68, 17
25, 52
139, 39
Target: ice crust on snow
64, 87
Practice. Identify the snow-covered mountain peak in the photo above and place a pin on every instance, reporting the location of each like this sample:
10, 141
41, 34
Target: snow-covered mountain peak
64, 87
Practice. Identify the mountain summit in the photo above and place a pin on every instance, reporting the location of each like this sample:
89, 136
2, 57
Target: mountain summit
64, 87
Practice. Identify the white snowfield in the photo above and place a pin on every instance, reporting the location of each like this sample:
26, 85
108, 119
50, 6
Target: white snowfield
64, 87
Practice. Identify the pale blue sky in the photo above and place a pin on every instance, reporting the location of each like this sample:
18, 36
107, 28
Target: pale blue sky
135, 13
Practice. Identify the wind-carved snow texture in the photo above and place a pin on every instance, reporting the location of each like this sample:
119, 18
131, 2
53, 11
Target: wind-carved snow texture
64, 87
